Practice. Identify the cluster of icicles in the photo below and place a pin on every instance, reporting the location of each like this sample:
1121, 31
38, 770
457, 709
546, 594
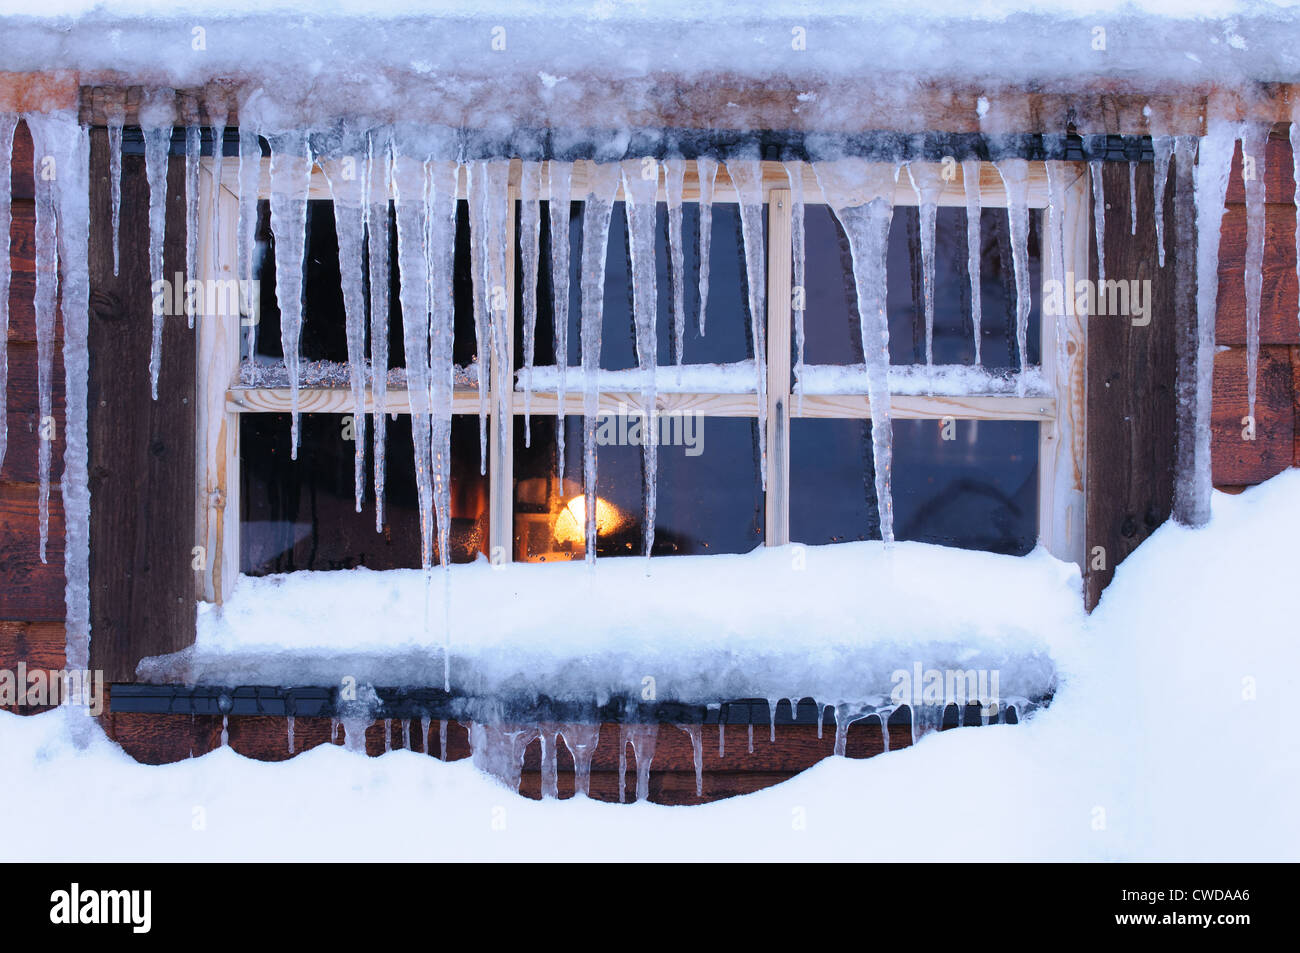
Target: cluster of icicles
499, 749
407, 164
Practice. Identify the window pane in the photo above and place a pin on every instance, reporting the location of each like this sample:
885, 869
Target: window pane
727, 327
301, 514
324, 331
709, 489
831, 321
976, 491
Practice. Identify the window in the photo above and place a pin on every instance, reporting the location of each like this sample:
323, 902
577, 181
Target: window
975, 464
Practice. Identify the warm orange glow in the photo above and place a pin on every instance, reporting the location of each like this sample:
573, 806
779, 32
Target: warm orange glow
571, 524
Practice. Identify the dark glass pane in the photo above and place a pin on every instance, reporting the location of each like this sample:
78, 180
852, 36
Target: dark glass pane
710, 494
727, 325
324, 331
976, 491
831, 321
301, 514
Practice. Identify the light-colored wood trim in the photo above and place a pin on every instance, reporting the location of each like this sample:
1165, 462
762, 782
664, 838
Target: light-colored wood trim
778, 367
338, 400
992, 192
1062, 441
217, 447
501, 443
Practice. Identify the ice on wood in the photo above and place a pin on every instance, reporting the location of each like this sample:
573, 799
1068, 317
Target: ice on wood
1295, 168
157, 114
115, 120
1095, 169
642, 738
218, 113
1163, 146
581, 740
1254, 139
193, 152
7, 125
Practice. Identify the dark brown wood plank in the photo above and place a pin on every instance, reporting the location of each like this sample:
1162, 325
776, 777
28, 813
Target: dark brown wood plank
36, 644
1278, 302
21, 457
1237, 461
30, 591
142, 452
1295, 396
22, 182
22, 277
1131, 389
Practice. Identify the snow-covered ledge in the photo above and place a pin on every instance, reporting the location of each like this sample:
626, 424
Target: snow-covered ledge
832, 622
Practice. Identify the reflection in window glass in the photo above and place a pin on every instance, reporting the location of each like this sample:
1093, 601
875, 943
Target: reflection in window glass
727, 325
301, 514
831, 321
710, 492
978, 490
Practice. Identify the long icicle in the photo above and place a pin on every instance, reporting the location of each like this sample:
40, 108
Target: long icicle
861, 195
8, 123
1295, 160
707, 170
602, 186
794, 173
640, 205
559, 181
530, 233
444, 179
218, 112
747, 176
1095, 169
1163, 146
476, 173
193, 152
115, 119
1132, 198
45, 141
377, 250
1015, 176
927, 182
1254, 139
156, 117
674, 186
250, 182
291, 165
970, 177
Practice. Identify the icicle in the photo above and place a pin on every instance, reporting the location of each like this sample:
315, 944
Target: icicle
115, 119
1056, 172
1164, 148
559, 181
602, 185
845, 715
970, 176
771, 719
291, 165
674, 186
707, 170
377, 251
388, 735
7, 125
334, 730
46, 303
640, 192
1254, 140
1133, 198
1015, 176
821, 715
530, 233
442, 739
250, 181
861, 194
696, 734
406, 733
499, 750
883, 715
747, 176
642, 738
289, 726
156, 118
444, 179
927, 181
413, 266
193, 150
750, 728
218, 113
1295, 167
794, 172
722, 737
581, 741
225, 730
475, 175
354, 732
1095, 167
1213, 167
550, 764
346, 189
425, 724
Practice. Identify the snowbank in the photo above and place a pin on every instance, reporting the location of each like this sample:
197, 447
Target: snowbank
1156, 748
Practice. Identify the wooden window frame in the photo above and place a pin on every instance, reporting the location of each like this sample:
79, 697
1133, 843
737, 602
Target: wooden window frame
222, 399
